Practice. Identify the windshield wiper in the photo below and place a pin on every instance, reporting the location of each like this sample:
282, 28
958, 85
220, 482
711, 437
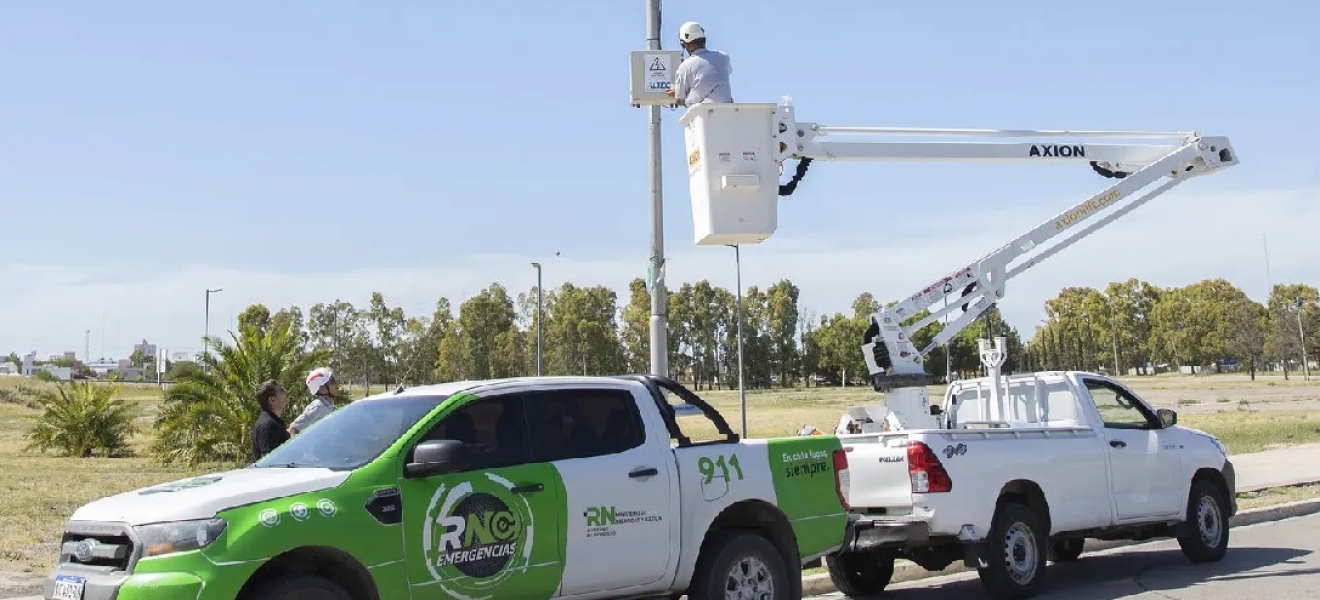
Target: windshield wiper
293, 465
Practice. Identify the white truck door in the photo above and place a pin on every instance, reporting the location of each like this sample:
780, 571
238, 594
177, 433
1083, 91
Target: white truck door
1144, 466
616, 475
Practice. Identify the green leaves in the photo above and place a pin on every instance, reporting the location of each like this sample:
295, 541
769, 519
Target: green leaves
84, 419
1164, 328
208, 413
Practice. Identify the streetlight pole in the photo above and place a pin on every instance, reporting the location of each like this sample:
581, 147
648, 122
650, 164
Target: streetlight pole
538, 317
659, 297
742, 391
1113, 326
206, 338
948, 356
1301, 332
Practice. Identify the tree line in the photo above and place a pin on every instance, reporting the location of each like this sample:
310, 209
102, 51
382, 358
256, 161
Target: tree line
1134, 326
207, 413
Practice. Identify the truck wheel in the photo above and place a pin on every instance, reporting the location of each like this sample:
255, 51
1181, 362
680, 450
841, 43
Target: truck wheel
743, 564
300, 587
861, 573
1207, 537
1015, 552
1066, 549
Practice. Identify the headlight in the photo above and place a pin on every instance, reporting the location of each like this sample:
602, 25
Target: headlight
178, 536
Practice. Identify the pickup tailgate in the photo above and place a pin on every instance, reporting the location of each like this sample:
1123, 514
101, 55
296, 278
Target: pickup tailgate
878, 473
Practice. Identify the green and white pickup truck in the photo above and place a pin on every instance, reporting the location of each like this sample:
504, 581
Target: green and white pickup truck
536, 488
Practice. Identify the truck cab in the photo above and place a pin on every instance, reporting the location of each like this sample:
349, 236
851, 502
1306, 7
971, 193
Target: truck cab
536, 488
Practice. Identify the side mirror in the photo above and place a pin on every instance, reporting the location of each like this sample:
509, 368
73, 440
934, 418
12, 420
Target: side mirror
436, 457
1168, 417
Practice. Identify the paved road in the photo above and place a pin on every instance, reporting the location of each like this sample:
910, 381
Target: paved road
1277, 560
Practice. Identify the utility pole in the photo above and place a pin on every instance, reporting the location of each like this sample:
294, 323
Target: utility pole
1113, 326
742, 390
1301, 333
948, 356
539, 318
206, 338
659, 297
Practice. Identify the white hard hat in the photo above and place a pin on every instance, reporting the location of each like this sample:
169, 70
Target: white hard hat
319, 377
691, 31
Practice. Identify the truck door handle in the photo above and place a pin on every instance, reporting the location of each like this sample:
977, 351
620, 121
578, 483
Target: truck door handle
528, 488
647, 472
1118, 443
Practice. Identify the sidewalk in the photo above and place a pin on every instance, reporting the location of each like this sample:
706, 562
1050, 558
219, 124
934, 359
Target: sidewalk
1293, 465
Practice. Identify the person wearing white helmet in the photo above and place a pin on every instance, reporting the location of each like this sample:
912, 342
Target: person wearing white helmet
704, 75
324, 387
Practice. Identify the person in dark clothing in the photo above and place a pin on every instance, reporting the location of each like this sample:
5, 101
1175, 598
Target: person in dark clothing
269, 431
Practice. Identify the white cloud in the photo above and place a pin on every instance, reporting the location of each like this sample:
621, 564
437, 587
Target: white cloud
1180, 238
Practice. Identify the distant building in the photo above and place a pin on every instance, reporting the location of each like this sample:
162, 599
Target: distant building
146, 348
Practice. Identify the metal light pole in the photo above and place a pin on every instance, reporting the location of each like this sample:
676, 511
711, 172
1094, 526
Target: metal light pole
948, 356
1301, 332
742, 391
659, 297
1113, 326
538, 317
206, 339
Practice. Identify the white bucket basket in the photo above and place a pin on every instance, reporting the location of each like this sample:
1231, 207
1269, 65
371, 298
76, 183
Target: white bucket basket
733, 172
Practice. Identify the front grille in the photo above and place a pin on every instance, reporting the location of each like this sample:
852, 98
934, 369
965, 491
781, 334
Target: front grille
100, 546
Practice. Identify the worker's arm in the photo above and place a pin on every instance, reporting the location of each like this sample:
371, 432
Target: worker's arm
682, 82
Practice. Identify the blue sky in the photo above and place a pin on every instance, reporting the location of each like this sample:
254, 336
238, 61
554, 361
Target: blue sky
303, 151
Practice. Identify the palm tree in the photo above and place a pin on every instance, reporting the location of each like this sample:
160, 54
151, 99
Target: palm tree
82, 418
207, 414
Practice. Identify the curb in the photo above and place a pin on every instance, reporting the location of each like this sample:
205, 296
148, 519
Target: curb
816, 585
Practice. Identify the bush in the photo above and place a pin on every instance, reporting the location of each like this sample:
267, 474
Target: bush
84, 419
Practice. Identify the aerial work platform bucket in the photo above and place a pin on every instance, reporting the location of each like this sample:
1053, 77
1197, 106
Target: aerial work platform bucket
733, 172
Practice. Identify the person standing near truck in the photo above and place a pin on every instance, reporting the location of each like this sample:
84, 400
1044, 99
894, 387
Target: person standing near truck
324, 387
704, 75
269, 431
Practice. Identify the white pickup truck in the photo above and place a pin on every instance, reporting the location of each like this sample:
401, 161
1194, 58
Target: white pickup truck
1011, 482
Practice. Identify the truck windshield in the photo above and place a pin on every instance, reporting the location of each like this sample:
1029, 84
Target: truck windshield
353, 435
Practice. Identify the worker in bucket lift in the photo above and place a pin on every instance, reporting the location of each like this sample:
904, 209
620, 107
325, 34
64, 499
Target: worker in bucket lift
704, 75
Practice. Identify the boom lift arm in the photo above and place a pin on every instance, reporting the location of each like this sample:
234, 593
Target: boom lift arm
735, 202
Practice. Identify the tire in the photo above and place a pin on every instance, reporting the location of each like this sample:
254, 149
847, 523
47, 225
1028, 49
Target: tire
727, 559
1016, 530
300, 587
1066, 549
1207, 538
860, 573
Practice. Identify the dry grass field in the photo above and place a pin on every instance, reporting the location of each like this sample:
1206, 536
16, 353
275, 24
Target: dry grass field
41, 491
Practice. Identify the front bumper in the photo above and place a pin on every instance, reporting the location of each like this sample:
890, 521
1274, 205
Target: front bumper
145, 586
864, 533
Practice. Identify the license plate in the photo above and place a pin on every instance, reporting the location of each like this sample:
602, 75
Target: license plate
68, 587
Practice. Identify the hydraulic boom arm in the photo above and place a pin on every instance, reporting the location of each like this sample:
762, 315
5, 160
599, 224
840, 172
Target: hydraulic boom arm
733, 155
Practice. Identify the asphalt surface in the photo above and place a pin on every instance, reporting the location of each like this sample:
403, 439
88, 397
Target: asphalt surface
1276, 560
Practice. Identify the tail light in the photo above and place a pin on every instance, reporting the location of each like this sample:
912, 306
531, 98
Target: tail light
841, 476
926, 471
